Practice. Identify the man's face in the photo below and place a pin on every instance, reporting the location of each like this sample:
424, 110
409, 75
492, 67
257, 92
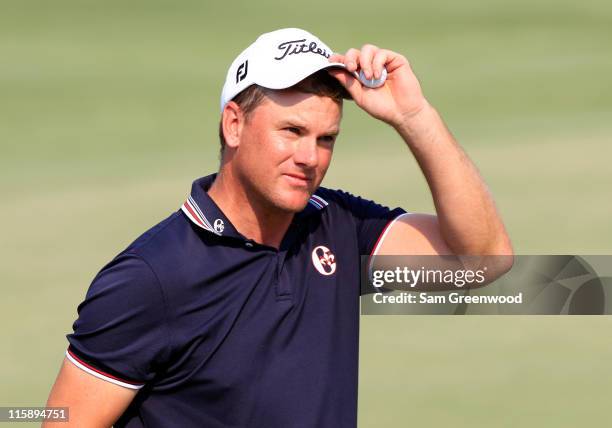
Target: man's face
285, 148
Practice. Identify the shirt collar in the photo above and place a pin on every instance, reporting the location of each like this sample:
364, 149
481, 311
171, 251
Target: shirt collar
204, 212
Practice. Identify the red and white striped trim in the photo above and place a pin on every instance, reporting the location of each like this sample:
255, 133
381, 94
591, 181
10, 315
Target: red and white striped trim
317, 202
382, 236
380, 240
99, 374
195, 214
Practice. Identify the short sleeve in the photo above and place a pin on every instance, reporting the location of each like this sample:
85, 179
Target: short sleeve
121, 333
371, 219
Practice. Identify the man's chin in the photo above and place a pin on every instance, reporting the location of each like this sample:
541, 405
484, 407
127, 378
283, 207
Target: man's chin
295, 203
296, 206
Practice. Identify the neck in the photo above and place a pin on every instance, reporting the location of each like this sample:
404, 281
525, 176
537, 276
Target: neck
248, 215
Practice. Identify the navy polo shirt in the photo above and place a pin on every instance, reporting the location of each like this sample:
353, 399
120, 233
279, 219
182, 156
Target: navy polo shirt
216, 330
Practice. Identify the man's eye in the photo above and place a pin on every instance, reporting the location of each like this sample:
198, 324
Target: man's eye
293, 130
328, 138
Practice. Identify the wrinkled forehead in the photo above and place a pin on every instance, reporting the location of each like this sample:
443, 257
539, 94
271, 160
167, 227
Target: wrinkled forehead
292, 97
291, 104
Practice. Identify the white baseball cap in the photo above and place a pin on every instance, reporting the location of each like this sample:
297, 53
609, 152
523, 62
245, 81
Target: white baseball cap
277, 60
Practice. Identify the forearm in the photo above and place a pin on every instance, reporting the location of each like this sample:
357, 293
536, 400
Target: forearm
468, 219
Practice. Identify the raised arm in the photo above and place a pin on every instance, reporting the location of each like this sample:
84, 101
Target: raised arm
467, 221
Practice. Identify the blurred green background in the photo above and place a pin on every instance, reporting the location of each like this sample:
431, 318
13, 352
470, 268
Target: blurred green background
108, 111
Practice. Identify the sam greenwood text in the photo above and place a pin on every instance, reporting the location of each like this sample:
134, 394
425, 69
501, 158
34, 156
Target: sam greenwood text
408, 298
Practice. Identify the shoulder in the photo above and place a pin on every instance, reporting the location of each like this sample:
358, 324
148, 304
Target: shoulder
137, 278
336, 198
348, 203
161, 237
152, 256
168, 242
367, 219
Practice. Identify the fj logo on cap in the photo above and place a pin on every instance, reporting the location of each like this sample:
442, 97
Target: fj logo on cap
294, 47
324, 260
242, 71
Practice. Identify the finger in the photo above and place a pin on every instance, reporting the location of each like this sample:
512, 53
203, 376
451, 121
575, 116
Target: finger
379, 61
365, 59
352, 59
395, 61
346, 79
336, 57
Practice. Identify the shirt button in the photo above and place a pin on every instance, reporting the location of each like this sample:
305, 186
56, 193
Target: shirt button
248, 244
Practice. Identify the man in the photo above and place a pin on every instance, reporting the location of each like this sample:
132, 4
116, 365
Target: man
242, 308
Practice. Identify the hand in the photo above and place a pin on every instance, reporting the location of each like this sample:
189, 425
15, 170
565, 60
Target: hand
398, 100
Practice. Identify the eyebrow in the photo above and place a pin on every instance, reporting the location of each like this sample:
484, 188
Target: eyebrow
333, 133
298, 124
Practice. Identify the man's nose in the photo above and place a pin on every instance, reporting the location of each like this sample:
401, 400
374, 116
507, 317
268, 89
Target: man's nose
306, 153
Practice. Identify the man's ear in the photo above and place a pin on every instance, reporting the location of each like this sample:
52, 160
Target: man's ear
232, 122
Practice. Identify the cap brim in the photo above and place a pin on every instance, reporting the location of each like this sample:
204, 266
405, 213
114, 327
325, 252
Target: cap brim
284, 81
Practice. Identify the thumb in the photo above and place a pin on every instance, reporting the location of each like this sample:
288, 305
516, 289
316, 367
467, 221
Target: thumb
346, 79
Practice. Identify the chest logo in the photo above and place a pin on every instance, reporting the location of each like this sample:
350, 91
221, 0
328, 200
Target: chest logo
324, 260
219, 226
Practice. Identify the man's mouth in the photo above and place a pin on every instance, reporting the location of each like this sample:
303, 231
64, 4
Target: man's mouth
301, 180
